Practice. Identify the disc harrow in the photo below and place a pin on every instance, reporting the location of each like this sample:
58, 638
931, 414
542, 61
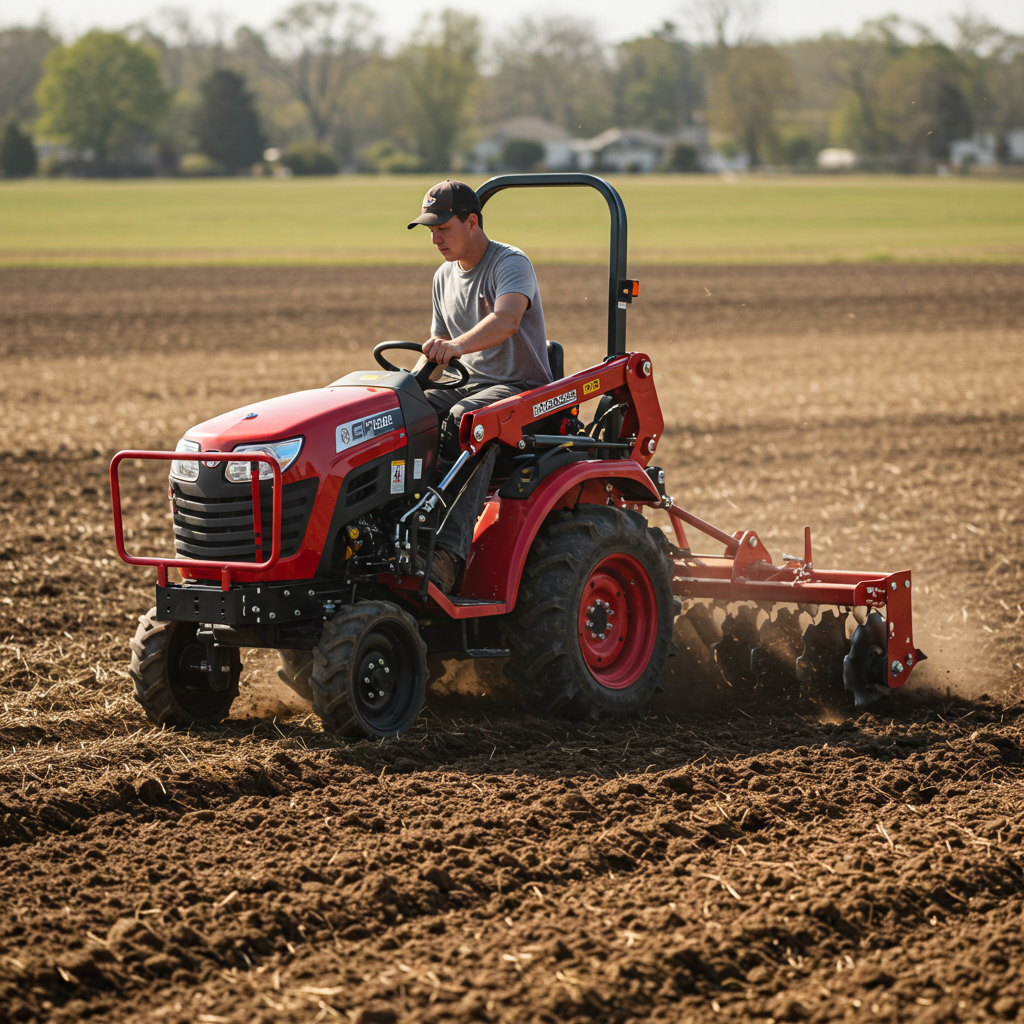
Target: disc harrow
780, 661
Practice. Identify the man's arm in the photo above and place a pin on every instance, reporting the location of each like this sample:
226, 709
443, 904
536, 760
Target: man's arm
499, 325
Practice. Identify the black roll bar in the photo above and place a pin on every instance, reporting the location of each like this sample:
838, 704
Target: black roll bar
617, 296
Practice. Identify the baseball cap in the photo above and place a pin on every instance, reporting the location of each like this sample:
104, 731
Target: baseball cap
446, 199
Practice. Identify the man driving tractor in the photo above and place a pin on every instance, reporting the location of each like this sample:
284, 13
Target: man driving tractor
487, 313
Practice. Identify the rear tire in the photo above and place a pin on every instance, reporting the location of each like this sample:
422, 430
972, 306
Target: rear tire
169, 684
592, 627
369, 671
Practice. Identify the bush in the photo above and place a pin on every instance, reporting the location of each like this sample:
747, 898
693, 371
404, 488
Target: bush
199, 165
792, 147
309, 158
681, 157
17, 154
385, 157
522, 155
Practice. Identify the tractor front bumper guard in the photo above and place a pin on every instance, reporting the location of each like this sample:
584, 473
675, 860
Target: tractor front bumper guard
224, 568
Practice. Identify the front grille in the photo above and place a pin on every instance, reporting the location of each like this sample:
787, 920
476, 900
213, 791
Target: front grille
220, 529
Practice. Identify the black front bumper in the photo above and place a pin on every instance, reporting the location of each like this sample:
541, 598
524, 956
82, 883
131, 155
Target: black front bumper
255, 614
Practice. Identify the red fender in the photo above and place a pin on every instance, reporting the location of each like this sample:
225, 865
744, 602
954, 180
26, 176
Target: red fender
507, 527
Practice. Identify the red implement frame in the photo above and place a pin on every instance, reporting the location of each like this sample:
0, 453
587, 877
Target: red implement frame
628, 377
746, 573
224, 568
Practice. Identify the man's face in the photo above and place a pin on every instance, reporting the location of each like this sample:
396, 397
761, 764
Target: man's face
453, 238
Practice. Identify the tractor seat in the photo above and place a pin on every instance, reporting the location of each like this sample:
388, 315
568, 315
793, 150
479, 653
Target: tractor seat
556, 360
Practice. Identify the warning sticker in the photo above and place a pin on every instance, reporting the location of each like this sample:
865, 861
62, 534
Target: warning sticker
551, 404
591, 386
398, 477
417, 468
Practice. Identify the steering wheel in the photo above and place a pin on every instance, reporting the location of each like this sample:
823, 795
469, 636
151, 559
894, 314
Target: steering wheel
423, 377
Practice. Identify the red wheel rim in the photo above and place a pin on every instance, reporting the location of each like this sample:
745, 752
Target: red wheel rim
618, 621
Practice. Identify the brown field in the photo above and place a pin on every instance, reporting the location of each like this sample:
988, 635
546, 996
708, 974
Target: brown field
699, 863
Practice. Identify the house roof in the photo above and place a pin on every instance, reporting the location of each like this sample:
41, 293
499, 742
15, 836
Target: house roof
632, 137
533, 129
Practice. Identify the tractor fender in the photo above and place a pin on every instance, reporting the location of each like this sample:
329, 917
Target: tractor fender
507, 527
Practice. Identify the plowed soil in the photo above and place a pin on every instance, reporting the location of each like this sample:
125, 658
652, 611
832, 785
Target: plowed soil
712, 859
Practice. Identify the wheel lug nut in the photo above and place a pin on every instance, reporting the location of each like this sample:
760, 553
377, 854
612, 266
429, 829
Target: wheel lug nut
601, 637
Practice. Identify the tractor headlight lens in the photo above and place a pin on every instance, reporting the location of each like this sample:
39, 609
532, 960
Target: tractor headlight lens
186, 470
286, 452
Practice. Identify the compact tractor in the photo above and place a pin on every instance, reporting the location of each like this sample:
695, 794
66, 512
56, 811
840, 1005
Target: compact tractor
307, 523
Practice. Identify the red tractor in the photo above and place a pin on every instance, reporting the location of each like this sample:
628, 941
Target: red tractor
306, 524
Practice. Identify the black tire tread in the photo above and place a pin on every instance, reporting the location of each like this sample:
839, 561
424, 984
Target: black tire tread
544, 616
149, 675
333, 657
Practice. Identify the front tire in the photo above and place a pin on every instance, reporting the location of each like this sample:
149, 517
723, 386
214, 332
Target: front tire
296, 668
170, 682
369, 671
592, 627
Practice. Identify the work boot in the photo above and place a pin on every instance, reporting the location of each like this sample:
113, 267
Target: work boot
443, 571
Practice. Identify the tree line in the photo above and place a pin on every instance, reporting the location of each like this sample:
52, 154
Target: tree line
320, 86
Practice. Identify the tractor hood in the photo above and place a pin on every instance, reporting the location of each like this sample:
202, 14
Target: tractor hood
302, 413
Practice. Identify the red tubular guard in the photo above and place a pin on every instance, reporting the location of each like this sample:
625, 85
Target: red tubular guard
224, 568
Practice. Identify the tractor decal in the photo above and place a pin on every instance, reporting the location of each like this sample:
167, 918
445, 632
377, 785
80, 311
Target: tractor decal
543, 408
357, 431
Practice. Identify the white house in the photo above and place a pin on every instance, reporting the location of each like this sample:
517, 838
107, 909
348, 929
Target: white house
559, 154
623, 150
979, 149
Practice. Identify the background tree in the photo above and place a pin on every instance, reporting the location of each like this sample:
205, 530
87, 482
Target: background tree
656, 81
993, 63
752, 84
226, 124
318, 50
22, 52
17, 154
100, 94
440, 73
554, 68
724, 23
922, 103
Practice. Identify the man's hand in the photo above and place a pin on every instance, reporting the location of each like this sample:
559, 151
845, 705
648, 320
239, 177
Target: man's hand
441, 351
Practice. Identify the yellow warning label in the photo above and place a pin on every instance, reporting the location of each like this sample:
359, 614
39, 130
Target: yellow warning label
591, 386
369, 376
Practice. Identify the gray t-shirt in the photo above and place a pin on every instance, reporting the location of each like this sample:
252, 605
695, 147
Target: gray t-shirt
462, 298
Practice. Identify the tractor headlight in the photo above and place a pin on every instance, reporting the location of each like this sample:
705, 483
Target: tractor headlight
286, 452
186, 469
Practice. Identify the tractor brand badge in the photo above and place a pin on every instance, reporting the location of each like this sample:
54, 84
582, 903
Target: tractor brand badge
543, 408
358, 431
369, 376
398, 477
591, 386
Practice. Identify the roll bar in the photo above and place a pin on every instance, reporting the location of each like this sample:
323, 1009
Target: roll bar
620, 289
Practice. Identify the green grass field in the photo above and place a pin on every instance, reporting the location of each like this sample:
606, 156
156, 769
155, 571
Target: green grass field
360, 220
